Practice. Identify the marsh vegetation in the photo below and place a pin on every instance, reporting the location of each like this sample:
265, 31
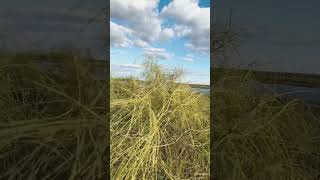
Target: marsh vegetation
53, 122
159, 128
262, 136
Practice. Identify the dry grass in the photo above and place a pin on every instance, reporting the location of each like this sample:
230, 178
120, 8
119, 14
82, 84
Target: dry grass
53, 124
159, 129
263, 137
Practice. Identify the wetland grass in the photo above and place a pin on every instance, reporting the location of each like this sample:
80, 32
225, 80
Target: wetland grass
159, 128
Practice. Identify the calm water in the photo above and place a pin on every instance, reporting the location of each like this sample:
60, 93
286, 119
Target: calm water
309, 95
203, 90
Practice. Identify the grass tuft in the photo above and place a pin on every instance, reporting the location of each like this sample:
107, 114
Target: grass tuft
53, 121
263, 136
159, 128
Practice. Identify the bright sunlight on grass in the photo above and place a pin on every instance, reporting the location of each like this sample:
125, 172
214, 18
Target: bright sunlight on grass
159, 128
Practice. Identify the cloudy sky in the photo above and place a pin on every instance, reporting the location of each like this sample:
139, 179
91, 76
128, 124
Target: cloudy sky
47, 24
176, 33
279, 35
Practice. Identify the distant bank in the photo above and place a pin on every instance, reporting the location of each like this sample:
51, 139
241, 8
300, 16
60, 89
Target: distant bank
283, 78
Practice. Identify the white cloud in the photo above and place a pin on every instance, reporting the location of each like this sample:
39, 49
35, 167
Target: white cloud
127, 66
200, 49
189, 58
186, 59
192, 21
125, 70
157, 53
147, 25
166, 34
182, 31
142, 16
119, 35
140, 43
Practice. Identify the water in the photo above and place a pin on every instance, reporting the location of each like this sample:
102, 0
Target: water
205, 91
309, 95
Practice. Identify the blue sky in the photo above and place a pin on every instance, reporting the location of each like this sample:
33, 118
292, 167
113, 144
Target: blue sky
176, 33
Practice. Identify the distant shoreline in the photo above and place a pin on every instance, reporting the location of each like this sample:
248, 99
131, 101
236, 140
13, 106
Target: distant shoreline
283, 78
